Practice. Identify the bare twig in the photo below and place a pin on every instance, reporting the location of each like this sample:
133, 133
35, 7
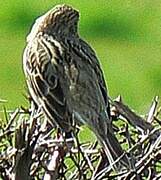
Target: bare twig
31, 149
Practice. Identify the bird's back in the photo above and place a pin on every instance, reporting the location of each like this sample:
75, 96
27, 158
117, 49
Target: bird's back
65, 77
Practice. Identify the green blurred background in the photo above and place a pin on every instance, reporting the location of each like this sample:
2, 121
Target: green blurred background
125, 34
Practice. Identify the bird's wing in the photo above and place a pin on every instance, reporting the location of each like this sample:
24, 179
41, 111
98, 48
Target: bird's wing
104, 128
87, 53
41, 60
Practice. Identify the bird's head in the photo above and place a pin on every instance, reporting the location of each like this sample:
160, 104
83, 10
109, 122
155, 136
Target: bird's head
62, 20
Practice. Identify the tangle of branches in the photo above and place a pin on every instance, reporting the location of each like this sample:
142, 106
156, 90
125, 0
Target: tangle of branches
31, 149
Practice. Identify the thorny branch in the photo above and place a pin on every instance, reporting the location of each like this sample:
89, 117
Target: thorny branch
31, 149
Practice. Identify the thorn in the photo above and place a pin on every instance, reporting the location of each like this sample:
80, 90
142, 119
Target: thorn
119, 98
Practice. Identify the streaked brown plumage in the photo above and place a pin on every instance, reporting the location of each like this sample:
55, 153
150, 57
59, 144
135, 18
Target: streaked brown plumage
64, 77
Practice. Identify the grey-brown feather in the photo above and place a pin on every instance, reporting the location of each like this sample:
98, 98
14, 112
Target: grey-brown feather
64, 76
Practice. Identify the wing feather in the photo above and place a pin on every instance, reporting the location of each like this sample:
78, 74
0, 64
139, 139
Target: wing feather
42, 77
83, 50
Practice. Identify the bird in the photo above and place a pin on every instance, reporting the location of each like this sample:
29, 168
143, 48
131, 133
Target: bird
65, 78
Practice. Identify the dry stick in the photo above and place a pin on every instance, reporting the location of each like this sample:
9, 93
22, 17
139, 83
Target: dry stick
152, 148
52, 168
158, 111
150, 174
84, 164
79, 165
132, 118
89, 162
158, 176
107, 169
88, 158
102, 173
132, 159
55, 161
5, 114
80, 151
23, 158
74, 174
25, 140
7, 132
153, 109
97, 167
142, 164
12, 119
